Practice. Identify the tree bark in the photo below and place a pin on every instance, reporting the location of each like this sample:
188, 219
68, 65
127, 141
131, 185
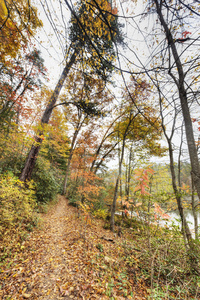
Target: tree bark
183, 101
113, 207
32, 156
189, 243
185, 226
194, 210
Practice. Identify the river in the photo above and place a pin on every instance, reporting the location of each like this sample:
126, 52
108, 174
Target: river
176, 220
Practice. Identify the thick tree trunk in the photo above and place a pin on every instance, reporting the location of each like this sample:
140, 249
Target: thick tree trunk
183, 101
32, 156
190, 246
31, 159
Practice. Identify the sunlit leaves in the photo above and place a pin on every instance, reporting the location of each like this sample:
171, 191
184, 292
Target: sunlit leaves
145, 126
18, 22
16, 208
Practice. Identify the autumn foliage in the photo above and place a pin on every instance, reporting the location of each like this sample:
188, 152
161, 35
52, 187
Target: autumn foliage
92, 139
18, 21
17, 211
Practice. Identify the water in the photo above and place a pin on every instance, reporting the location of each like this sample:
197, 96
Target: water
176, 220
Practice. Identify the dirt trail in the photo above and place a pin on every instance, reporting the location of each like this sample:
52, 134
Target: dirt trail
61, 260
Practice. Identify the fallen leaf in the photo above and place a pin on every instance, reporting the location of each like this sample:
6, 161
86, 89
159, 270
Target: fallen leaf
26, 296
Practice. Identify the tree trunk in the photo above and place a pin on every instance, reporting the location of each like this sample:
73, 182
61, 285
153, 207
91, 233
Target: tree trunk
120, 176
189, 243
32, 156
113, 207
194, 210
185, 226
183, 101
190, 247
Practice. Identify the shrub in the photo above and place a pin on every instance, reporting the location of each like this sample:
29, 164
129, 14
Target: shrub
12, 148
17, 205
12, 163
101, 214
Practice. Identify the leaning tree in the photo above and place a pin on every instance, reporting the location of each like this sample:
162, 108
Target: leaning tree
94, 35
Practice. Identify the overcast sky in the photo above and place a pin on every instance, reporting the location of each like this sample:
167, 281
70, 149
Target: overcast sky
51, 39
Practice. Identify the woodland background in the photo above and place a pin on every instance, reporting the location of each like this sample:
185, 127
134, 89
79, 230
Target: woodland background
125, 101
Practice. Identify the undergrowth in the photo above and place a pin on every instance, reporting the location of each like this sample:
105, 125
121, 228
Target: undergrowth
17, 212
20, 206
153, 256
158, 256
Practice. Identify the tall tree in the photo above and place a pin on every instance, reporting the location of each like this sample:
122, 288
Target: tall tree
125, 131
21, 67
94, 31
169, 17
85, 185
19, 60
90, 98
175, 183
137, 126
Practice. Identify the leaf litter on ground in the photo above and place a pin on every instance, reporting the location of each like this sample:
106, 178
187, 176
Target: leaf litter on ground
66, 258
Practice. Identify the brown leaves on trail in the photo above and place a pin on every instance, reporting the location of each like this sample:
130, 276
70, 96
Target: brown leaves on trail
68, 259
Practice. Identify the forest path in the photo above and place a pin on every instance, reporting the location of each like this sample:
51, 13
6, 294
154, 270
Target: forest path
66, 259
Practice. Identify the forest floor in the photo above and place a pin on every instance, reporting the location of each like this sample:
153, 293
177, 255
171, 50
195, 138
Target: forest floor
68, 257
